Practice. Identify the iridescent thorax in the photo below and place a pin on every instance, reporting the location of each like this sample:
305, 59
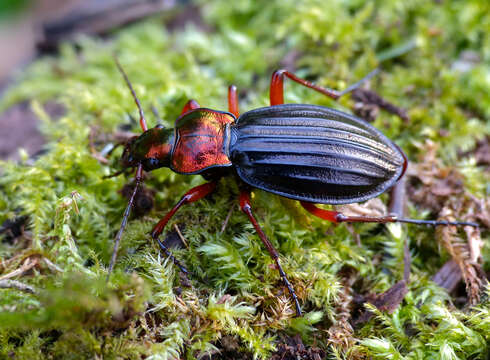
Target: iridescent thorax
201, 141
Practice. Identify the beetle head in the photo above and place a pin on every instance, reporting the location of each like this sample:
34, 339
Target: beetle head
151, 149
127, 158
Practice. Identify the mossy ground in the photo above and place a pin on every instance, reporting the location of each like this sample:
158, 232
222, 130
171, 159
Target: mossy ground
146, 310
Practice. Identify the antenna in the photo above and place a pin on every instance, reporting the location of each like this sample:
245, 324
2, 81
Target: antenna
138, 177
136, 100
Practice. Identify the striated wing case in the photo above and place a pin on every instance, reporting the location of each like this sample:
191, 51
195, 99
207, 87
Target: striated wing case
313, 153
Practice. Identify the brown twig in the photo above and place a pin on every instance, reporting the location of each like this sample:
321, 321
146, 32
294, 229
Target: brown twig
14, 284
52, 266
227, 219
398, 200
28, 264
448, 276
181, 237
370, 100
387, 301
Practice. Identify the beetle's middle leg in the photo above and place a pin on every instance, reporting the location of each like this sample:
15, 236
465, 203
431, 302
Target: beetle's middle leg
190, 105
247, 209
233, 101
191, 196
277, 86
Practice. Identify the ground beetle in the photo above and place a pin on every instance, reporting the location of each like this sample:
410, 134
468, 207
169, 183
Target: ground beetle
309, 153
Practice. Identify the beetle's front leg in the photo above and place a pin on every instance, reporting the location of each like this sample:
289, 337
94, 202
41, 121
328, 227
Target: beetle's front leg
277, 86
247, 209
191, 196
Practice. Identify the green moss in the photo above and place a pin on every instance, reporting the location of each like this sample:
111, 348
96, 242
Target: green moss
146, 310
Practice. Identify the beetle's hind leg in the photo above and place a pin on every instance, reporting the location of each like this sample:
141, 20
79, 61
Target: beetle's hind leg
338, 217
169, 254
277, 86
191, 196
247, 209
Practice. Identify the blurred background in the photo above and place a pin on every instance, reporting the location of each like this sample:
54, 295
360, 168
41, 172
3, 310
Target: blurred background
29, 29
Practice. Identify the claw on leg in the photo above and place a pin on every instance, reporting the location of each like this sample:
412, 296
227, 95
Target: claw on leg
191, 196
247, 209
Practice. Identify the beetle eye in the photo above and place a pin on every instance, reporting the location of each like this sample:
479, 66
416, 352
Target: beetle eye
151, 163
159, 126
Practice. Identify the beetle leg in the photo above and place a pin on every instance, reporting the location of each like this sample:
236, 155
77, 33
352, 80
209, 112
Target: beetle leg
338, 217
277, 86
233, 100
247, 209
190, 105
191, 196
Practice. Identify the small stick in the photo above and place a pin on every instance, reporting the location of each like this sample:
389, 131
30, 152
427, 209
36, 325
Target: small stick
227, 219
360, 82
397, 207
182, 238
14, 284
27, 265
52, 266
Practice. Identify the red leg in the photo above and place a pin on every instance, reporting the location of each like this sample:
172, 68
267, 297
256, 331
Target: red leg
338, 217
247, 209
277, 86
190, 105
191, 196
233, 101
194, 194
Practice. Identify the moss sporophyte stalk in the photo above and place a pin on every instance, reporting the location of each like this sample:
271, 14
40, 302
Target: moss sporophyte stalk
56, 302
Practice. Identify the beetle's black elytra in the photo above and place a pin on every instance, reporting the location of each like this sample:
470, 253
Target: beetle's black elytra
313, 153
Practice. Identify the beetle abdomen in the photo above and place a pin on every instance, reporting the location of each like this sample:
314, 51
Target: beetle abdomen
313, 153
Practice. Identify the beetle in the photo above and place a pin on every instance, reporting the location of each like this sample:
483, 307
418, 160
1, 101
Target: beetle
309, 153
